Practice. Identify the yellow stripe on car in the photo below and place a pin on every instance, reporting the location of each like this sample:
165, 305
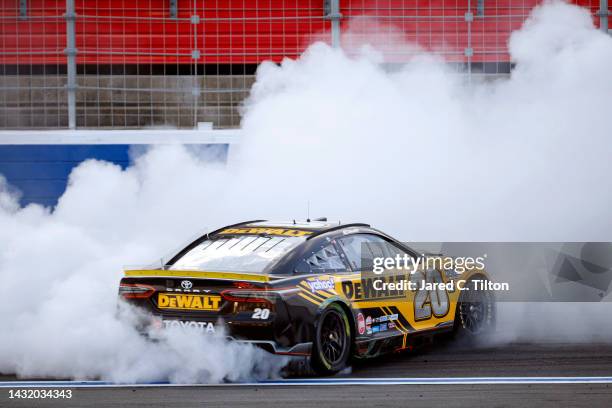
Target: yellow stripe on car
307, 296
314, 295
387, 311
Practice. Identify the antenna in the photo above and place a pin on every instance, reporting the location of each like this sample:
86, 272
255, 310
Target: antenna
308, 211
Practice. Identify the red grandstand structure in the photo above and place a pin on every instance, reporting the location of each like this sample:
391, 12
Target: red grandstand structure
179, 63
250, 31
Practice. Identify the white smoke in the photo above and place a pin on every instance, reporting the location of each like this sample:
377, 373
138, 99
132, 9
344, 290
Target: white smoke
61, 271
418, 152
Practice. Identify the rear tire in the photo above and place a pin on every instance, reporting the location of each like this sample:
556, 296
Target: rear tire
332, 343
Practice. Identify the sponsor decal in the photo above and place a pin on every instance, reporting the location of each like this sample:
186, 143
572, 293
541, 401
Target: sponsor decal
186, 284
375, 329
188, 302
321, 284
361, 326
383, 318
190, 291
206, 327
365, 289
391, 325
393, 316
368, 323
383, 327
267, 231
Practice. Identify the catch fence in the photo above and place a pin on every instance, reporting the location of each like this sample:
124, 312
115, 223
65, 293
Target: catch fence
178, 63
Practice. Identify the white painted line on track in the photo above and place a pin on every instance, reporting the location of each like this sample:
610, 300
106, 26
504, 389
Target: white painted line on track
322, 382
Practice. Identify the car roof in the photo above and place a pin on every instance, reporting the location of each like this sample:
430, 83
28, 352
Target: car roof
318, 230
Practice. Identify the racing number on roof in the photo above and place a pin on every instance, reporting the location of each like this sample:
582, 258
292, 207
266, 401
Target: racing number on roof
429, 301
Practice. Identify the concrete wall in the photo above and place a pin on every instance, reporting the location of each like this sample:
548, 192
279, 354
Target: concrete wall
40, 172
128, 101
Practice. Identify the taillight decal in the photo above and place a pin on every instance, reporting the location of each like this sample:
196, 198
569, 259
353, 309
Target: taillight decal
256, 295
244, 285
135, 290
251, 296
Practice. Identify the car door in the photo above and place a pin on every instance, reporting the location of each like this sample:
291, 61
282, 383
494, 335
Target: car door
377, 309
413, 307
427, 305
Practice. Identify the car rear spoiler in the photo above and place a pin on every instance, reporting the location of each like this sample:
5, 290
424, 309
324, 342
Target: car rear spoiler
165, 273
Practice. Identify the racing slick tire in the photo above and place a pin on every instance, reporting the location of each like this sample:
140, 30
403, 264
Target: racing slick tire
475, 314
333, 341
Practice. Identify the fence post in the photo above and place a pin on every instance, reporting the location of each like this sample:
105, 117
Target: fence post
468, 52
480, 8
603, 15
23, 9
332, 12
195, 56
71, 52
173, 9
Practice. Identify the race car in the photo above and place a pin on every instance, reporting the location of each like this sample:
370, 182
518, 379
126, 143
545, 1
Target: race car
311, 289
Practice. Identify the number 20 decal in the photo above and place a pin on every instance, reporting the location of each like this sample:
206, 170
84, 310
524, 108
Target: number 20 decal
259, 313
429, 301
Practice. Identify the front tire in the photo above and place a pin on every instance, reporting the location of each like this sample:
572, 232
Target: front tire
332, 343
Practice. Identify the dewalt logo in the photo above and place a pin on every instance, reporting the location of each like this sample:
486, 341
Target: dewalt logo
188, 302
268, 231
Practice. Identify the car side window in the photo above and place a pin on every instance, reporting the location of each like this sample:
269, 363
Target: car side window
393, 250
324, 260
361, 249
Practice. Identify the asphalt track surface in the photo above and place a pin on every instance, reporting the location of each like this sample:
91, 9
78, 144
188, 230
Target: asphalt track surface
525, 375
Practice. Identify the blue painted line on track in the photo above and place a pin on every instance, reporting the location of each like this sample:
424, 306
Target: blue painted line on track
323, 382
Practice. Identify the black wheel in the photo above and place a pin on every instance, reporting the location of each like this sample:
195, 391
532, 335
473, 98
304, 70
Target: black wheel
475, 311
332, 343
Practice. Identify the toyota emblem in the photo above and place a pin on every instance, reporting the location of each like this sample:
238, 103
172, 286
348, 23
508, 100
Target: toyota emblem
186, 284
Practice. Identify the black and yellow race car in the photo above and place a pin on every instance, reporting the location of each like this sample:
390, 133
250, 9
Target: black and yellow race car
309, 289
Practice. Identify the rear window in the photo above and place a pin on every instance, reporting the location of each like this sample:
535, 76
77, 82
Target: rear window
239, 253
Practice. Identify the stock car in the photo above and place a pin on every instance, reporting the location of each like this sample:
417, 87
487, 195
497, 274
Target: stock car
308, 289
